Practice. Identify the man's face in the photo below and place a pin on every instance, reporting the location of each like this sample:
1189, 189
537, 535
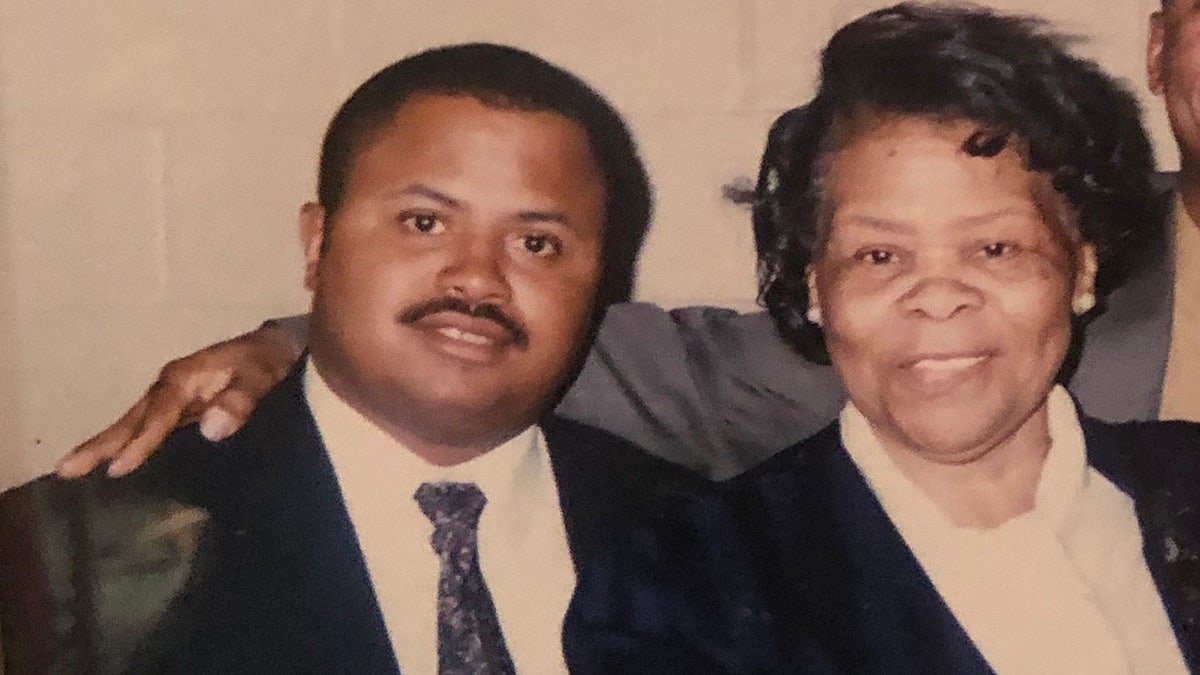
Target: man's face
1173, 72
454, 287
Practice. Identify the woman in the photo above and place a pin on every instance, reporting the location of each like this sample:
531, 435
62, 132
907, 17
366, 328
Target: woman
946, 214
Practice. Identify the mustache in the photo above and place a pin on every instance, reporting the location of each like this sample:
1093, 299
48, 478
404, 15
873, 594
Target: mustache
483, 311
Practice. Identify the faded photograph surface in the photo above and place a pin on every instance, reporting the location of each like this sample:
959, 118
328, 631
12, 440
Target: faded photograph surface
754, 336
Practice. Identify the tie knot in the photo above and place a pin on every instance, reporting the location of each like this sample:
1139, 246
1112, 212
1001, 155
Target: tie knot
457, 505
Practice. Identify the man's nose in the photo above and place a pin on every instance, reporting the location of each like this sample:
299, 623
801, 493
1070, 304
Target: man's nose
475, 271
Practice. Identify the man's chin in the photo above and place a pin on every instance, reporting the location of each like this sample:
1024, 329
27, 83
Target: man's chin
467, 418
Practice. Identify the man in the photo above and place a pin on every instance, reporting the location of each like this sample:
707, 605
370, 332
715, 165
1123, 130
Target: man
1173, 71
477, 208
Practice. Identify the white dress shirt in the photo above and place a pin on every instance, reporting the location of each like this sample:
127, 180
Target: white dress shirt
1060, 589
1181, 383
522, 541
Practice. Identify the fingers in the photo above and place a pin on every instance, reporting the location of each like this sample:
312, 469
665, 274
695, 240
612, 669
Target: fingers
168, 407
223, 381
216, 424
221, 413
170, 401
104, 445
228, 411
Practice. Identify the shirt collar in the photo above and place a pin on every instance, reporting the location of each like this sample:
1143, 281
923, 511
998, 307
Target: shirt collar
346, 432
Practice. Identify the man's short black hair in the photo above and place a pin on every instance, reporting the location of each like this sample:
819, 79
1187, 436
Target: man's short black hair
1010, 75
504, 77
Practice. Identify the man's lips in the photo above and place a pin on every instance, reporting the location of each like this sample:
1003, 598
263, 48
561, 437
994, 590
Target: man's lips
456, 334
454, 318
467, 329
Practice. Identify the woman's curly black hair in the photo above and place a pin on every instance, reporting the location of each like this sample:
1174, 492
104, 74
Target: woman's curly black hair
1013, 76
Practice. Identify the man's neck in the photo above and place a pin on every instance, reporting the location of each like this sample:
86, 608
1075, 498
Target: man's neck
443, 450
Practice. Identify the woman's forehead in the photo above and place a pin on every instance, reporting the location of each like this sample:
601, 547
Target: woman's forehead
922, 161
917, 170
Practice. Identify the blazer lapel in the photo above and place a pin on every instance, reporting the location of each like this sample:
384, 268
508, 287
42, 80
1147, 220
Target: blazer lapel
841, 575
288, 534
1156, 464
605, 483
579, 489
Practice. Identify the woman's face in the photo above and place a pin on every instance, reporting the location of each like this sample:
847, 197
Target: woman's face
945, 286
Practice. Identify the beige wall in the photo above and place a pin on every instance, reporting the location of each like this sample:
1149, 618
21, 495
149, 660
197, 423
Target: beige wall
153, 154
11, 463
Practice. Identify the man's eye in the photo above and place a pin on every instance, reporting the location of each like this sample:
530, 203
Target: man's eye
540, 245
999, 249
876, 256
425, 223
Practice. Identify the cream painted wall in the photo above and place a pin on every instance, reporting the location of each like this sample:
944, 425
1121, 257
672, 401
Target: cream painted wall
153, 154
10, 427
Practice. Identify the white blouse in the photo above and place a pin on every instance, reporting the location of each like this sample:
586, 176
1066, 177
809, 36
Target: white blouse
1060, 589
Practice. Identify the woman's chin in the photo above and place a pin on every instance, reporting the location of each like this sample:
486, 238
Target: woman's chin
953, 434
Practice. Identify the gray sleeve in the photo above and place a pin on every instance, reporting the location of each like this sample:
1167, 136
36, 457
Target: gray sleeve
711, 389
295, 326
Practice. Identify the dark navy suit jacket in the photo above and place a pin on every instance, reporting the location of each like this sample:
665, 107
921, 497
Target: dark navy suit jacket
798, 569
278, 583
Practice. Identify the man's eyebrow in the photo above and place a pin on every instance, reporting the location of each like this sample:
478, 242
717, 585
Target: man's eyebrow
525, 216
422, 190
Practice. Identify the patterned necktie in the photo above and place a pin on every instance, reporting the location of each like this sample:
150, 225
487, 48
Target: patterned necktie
469, 637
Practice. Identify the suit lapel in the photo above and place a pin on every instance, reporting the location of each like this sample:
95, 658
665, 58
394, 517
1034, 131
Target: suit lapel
1156, 464
287, 534
605, 483
579, 489
842, 575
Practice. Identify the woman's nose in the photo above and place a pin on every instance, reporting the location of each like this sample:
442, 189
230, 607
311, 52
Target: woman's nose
941, 297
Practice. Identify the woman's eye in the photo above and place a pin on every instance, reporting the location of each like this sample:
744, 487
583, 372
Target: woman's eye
425, 223
876, 256
999, 249
540, 245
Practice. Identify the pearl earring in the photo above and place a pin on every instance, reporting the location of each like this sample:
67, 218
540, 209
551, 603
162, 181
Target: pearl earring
1084, 303
813, 315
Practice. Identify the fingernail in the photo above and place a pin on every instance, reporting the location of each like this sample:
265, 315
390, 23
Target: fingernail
216, 425
116, 469
66, 468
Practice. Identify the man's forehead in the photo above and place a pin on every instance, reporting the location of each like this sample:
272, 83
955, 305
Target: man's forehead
430, 120
460, 152
479, 104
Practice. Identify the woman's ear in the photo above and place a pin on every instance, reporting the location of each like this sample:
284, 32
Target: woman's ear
312, 238
814, 297
1083, 297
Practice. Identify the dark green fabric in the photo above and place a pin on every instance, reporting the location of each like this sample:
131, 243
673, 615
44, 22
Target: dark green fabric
86, 569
